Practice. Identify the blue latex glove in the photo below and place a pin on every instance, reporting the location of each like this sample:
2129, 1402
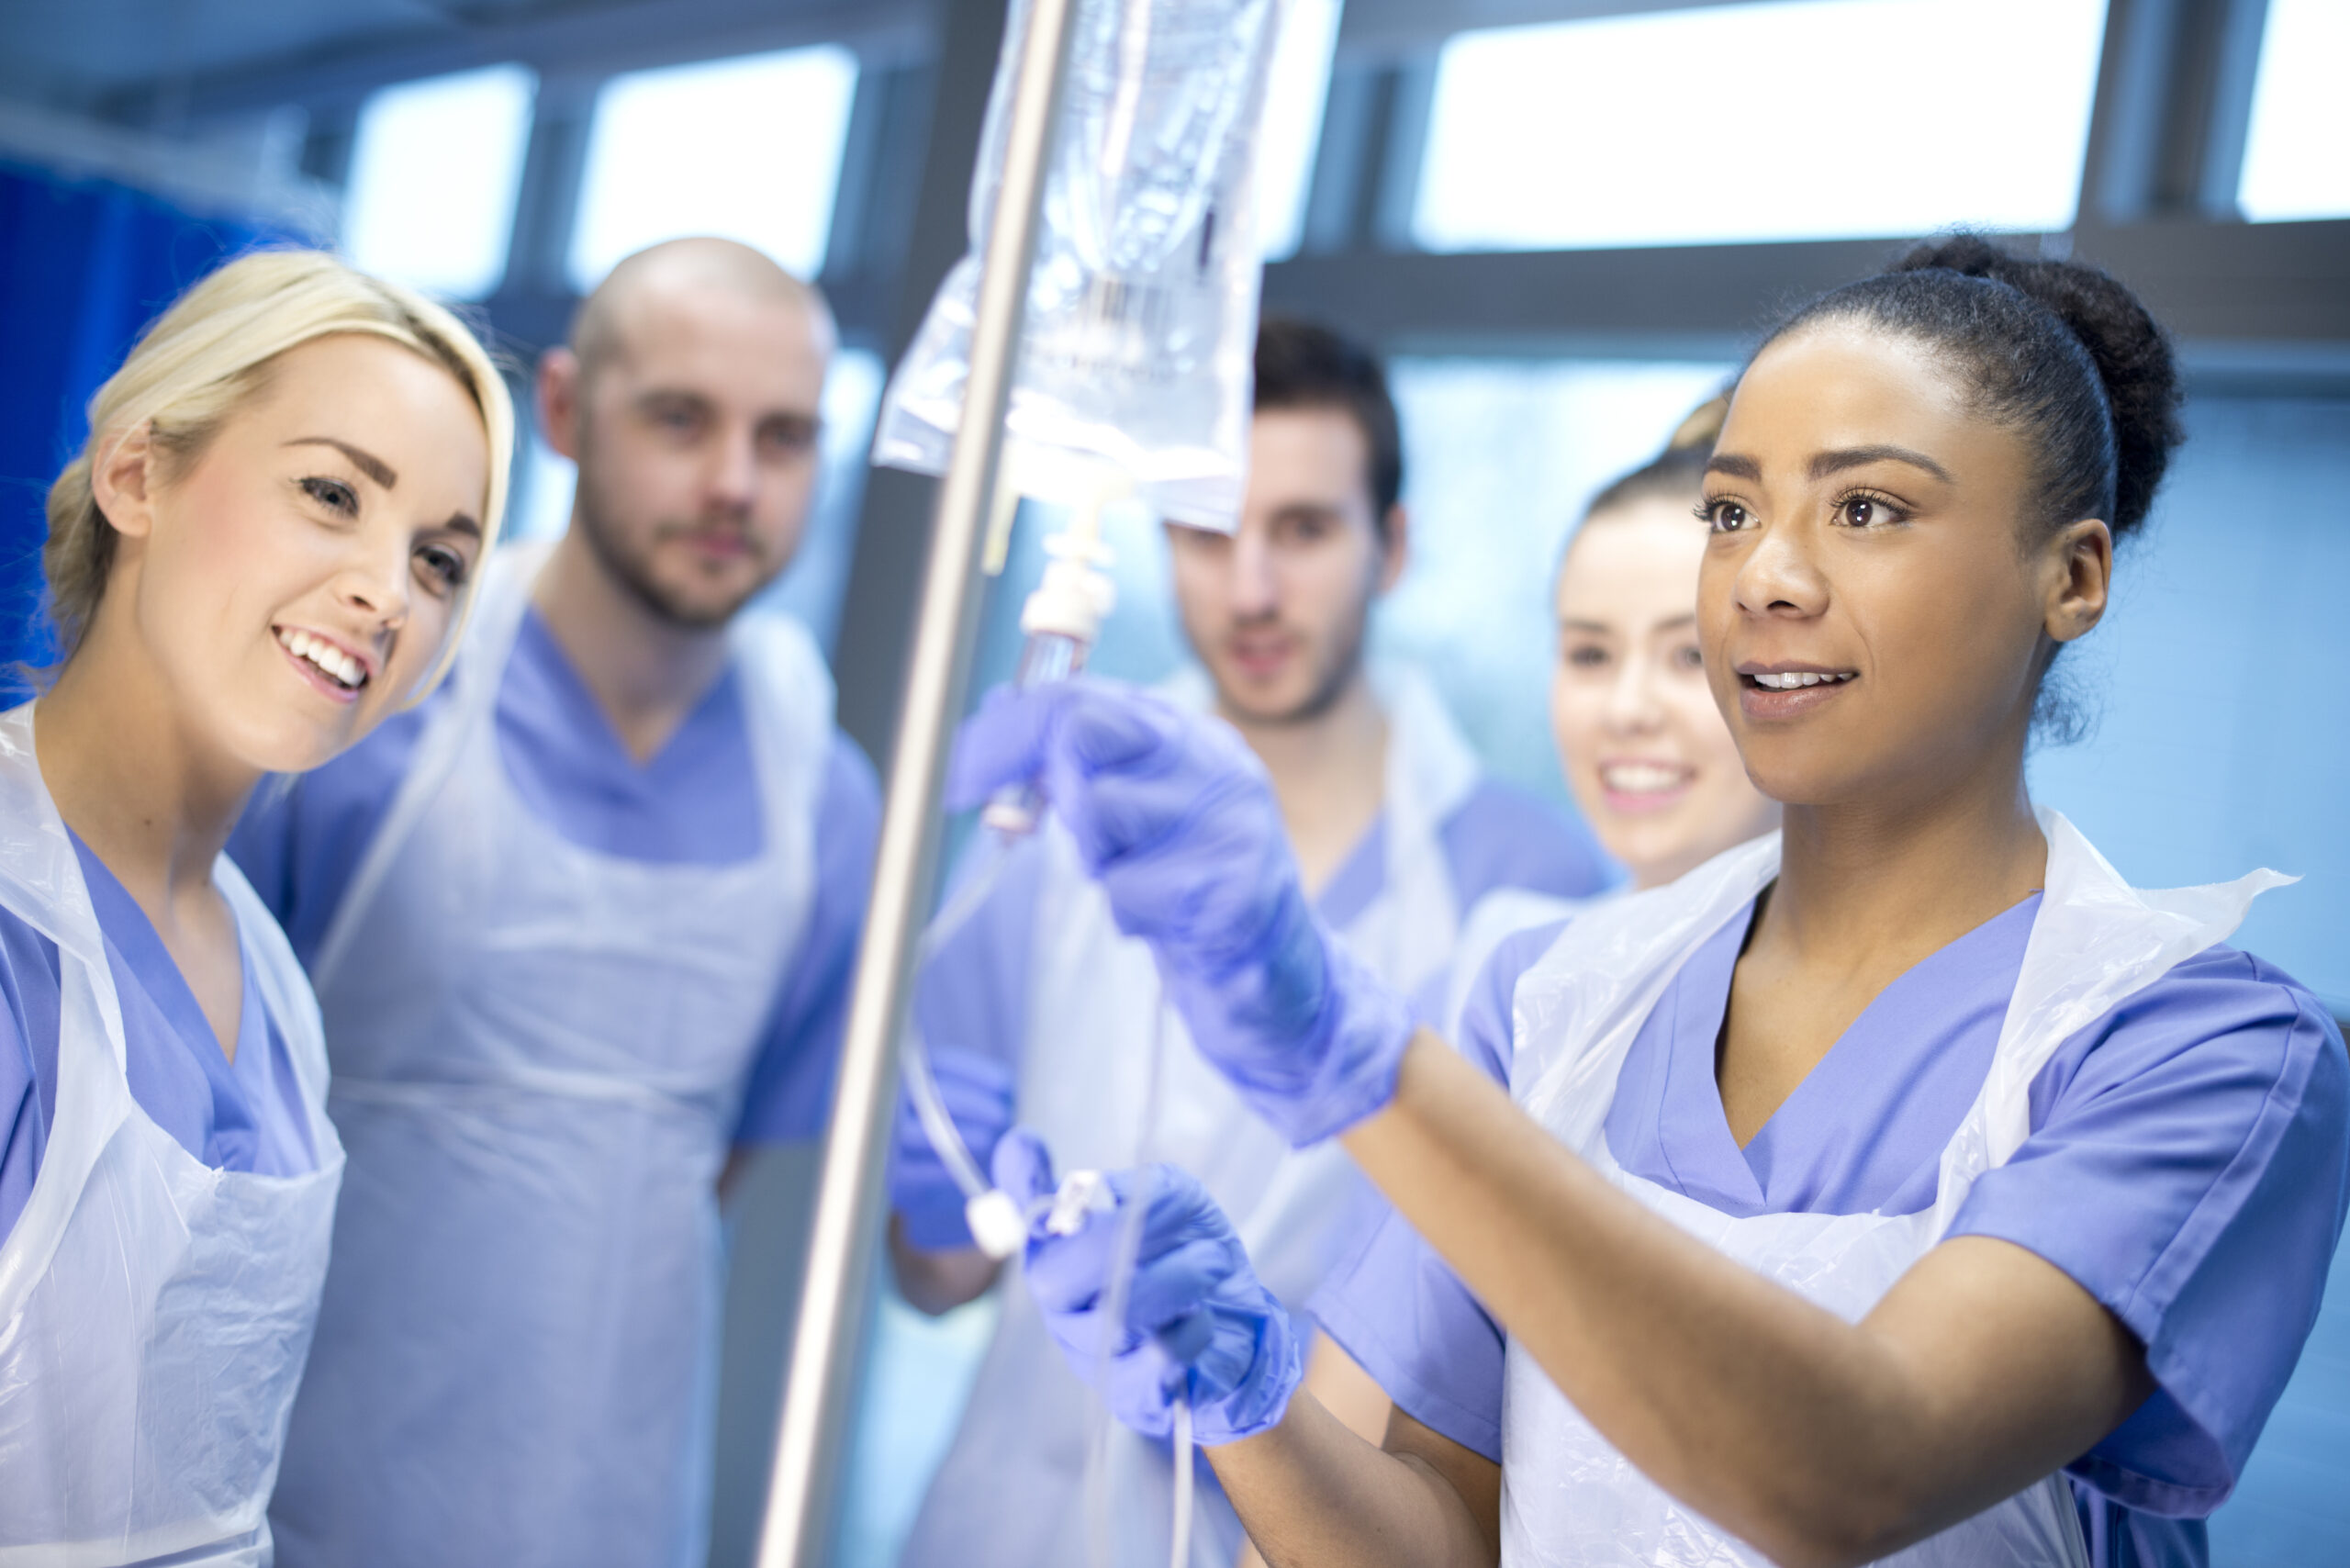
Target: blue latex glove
1175, 816
1197, 1321
977, 1092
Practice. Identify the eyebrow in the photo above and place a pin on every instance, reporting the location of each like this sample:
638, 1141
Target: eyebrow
367, 462
1572, 624
1826, 463
462, 522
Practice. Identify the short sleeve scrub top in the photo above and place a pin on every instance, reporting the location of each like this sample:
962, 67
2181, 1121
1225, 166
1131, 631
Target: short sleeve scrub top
165, 1211
2185, 1163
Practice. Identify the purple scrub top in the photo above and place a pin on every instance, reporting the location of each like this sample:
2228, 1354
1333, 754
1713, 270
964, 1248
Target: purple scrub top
2187, 1165
243, 1115
695, 801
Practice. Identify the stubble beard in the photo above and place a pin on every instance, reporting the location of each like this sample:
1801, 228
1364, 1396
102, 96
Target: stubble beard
632, 570
1332, 677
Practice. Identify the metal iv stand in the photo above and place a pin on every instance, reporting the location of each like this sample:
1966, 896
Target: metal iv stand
812, 1428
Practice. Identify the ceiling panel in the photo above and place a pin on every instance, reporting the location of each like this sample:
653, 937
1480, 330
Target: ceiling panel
65, 51
156, 61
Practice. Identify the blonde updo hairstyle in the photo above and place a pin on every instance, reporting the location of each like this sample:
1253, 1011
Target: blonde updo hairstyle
212, 353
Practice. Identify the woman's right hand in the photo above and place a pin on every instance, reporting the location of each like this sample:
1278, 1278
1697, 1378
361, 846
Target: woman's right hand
1197, 1324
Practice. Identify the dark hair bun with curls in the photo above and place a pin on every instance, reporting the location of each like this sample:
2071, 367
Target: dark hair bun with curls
2060, 351
2128, 347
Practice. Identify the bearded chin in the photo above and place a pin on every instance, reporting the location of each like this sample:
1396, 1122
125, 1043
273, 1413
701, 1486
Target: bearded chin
631, 568
1331, 678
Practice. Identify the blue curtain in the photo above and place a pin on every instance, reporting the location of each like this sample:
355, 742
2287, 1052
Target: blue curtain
83, 265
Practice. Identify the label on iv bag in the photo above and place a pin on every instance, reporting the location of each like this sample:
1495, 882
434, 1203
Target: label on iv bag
1140, 331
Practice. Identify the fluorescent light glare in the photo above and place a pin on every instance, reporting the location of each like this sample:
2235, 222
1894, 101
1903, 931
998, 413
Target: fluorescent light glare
1801, 119
1296, 91
435, 167
745, 149
2297, 149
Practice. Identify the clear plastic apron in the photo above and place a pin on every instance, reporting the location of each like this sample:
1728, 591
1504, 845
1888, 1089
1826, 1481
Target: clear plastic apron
1569, 1499
540, 1053
154, 1311
1018, 1461
1492, 921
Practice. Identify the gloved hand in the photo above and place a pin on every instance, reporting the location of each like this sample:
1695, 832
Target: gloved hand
1175, 816
977, 1092
1196, 1320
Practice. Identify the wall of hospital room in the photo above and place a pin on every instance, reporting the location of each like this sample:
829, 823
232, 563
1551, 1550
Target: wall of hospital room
1530, 365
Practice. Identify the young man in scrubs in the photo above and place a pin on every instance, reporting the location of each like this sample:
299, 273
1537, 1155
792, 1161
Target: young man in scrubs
1038, 1005
581, 929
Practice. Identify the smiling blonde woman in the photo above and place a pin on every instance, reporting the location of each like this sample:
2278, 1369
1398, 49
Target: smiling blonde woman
266, 547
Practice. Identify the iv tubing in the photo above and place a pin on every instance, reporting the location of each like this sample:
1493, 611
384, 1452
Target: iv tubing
937, 1123
939, 1126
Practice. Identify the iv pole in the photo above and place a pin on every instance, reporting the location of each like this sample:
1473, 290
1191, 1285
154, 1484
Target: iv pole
812, 1427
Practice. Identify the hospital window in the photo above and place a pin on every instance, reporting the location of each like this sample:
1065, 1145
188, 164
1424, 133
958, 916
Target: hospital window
435, 167
1473, 608
1297, 89
1811, 119
1481, 436
747, 147
2297, 154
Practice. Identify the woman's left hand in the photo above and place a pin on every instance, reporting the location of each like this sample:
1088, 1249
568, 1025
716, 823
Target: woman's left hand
1197, 1324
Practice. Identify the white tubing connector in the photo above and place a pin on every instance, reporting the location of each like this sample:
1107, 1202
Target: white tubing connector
996, 1224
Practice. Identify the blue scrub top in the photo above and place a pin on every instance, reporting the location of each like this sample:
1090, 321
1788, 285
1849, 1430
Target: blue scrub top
972, 994
243, 1115
695, 801
2187, 1165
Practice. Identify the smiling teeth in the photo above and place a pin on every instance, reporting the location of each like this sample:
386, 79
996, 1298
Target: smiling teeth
330, 661
1797, 677
1642, 777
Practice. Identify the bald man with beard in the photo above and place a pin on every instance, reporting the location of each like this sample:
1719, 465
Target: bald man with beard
581, 927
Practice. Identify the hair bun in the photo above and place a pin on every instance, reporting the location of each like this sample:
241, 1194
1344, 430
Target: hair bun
2131, 352
1702, 426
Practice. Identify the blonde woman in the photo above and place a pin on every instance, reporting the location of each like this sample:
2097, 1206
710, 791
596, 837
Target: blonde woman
265, 547
1650, 762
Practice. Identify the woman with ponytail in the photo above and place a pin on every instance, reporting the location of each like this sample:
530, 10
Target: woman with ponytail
1647, 758
265, 546
1903, 1186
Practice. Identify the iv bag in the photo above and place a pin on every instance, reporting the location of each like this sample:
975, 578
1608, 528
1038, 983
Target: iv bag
1139, 338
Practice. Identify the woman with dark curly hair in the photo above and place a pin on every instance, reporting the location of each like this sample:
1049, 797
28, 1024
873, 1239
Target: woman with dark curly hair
1903, 1186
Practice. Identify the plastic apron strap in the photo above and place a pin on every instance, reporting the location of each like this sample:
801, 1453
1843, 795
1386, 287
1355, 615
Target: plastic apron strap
478, 675
1431, 775
2096, 942
42, 884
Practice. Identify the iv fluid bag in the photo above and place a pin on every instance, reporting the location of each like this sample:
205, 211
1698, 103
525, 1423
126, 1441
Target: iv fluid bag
1141, 326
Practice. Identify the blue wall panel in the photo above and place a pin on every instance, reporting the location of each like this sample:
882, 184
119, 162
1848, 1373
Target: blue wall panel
83, 265
2221, 737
